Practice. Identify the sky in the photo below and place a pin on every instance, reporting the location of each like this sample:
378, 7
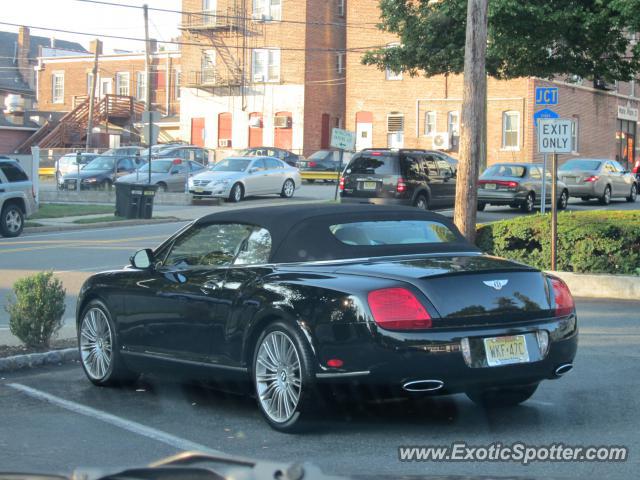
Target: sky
93, 19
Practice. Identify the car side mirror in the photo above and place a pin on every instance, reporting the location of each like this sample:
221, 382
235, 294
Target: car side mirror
253, 169
142, 259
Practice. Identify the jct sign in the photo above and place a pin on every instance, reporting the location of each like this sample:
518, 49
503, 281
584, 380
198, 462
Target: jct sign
554, 136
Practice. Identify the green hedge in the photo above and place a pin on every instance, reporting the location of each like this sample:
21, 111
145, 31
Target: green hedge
588, 242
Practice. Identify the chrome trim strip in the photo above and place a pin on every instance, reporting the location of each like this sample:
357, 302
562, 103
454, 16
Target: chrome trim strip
343, 374
155, 356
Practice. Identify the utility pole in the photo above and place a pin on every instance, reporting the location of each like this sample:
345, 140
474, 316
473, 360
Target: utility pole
92, 95
147, 71
473, 144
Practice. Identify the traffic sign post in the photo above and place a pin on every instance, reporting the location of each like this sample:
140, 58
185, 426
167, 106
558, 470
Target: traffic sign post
554, 136
342, 140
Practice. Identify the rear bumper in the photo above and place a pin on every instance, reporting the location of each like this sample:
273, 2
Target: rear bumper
501, 198
586, 190
396, 358
377, 201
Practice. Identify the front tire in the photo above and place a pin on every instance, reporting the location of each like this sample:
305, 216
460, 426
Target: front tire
283, 379
12, 221
162, 187
605, 199
481, 207
633, 195
502, 397
237, 193
563, 201
99, 347
529, 203
288, 189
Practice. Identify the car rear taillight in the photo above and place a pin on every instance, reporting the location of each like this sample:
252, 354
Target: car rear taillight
341, 184
312, 164
401, 187
500, 183
592, 178
562, 297
33, 191
398, 309
636, 167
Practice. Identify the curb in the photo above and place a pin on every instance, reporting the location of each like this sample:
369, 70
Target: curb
617, 287
91, 226
18, 362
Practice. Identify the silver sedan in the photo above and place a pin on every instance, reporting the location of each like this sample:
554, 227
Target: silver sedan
603, 179
237, 177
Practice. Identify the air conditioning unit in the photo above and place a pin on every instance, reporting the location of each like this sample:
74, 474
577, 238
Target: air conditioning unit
258, 77
282, 122
442, 141
255, 122
224, 143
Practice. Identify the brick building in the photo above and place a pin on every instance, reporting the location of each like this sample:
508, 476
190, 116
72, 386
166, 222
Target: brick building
395, 110
262, 73
64, 82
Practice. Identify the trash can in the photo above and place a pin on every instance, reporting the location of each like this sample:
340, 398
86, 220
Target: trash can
135, 200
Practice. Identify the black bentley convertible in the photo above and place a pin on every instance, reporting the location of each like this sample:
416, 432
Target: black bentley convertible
293, 297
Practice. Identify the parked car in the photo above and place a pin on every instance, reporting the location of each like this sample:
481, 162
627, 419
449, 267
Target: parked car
101, 172
69, 163
281, 296
285, 155
518, 185
184, 152
399, 177
603, 179
123, 151
169, 175
17, 197
324, 161
235, 178
636, 171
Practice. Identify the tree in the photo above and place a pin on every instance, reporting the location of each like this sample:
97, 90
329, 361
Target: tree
543, 38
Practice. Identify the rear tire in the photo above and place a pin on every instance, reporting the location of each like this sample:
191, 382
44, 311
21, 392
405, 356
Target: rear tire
605, 199
162, 187
237, 193
288, 189
481, 207
528, 205
563, 201
421, 202
283, 378
12, 221
633, 195
502, 397
585, 199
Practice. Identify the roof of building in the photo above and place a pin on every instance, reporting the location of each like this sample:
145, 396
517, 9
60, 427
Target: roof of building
10, 78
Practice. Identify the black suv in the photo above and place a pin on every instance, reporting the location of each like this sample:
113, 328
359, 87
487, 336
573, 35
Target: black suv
422, 178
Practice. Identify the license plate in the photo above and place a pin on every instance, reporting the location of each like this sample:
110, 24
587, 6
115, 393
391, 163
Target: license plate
506, 350
490, 186
199, 189
369, 185
71, 186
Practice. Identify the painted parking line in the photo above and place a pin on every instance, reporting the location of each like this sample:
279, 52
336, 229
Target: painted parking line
129, 425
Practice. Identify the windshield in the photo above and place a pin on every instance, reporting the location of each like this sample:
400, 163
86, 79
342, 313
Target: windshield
157, 166
321, 155
516, 171
581, 165
231, 165
378, 164
101, 163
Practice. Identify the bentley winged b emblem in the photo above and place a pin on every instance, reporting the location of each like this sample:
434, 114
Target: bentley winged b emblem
497, 284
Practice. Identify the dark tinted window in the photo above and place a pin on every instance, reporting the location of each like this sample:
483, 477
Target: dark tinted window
383, 164
13, 172
430, 166
413, 166
125, 164
401, 232
517, 171
581, 165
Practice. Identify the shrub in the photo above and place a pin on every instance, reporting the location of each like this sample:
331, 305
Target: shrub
588, 242
35, 312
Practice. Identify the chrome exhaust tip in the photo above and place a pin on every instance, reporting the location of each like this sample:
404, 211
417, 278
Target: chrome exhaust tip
423, 385
562, 369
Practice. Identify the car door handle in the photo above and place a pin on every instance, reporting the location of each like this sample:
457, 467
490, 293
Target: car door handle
211, 286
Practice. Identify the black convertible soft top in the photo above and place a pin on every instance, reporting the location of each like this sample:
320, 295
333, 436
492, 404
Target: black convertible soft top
301, 232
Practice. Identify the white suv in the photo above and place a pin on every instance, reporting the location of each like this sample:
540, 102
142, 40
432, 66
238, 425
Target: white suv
17, 197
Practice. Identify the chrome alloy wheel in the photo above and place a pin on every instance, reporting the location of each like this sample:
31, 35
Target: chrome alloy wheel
96, 343
278, 376
288, 189
13, 220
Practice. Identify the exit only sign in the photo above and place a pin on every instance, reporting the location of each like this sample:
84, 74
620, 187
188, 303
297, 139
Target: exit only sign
554, 135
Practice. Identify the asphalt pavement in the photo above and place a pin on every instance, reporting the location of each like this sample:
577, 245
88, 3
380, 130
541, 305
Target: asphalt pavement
53, 419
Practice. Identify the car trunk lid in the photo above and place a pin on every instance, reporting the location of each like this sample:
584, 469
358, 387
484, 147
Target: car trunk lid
372, 175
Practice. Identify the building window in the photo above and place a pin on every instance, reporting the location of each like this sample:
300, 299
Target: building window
208, 66
122, 83
141, 86
267, 9
340, 67
340, 8
575, 134
57, 87
511, 130
391, 75
265, 65
176, 84
430, 123
89, 83
395, 130
453, 123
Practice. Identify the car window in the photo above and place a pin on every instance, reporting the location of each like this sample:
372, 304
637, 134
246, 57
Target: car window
214, 245
273, 164
181, 168
430, 166
413, 166
194, 166
616, 166
198, 155
13, 172
389, 232
125, 164
579, 164
609, 168
256, 249
505, 170
374, 163
535, 173
259, 164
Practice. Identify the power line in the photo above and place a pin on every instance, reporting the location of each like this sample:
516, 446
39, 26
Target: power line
195, 44
366, 26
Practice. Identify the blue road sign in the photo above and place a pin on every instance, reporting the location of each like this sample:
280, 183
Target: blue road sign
545, 113
546, 96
